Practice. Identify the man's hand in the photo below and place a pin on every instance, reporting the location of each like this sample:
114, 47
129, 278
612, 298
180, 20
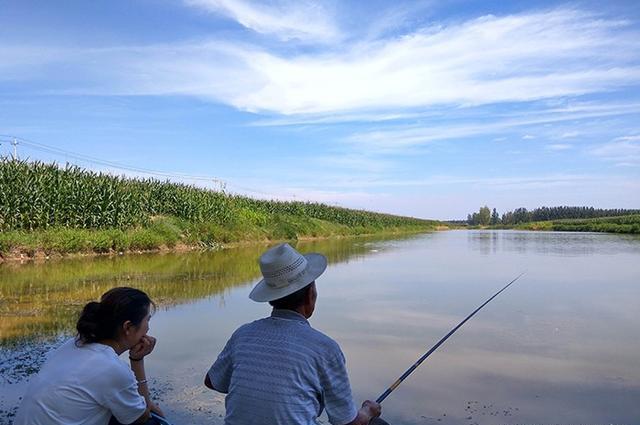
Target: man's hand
371, 409
142, 348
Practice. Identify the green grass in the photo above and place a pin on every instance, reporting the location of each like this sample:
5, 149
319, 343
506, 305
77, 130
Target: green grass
623, 224
50, 209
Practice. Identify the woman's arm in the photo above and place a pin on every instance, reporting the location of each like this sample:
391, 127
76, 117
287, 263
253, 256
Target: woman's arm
136, 357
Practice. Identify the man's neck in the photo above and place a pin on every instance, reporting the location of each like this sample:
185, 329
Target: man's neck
303, 311
288, 313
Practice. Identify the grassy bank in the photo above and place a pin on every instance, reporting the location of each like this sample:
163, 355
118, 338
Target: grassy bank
49, 210
624, 224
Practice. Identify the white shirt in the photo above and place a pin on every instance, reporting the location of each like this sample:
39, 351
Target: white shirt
83, 385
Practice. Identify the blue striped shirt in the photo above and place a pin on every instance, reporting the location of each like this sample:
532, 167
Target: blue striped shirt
279, 370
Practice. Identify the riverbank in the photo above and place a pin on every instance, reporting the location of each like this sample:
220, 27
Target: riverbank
47, 210
162, 237
629, 224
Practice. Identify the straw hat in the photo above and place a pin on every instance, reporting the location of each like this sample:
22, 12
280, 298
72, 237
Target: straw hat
285, 271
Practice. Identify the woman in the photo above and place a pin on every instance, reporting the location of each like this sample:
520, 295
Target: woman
84, 381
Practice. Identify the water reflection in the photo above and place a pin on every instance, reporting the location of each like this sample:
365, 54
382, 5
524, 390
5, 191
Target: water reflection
559, 347
43, 299
552, 243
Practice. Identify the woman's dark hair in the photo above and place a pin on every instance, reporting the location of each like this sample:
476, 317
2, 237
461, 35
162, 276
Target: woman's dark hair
101, 320
292, 301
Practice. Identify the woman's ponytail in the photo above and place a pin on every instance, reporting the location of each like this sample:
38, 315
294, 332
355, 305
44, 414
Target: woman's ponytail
101, 320
88, 325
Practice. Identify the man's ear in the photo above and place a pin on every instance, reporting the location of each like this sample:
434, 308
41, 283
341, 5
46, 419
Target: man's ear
310, 294
308, 298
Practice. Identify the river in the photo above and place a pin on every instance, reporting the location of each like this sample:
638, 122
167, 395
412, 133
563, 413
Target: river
561, 346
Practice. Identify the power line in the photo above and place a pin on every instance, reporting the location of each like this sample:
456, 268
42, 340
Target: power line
57, 151
86, 158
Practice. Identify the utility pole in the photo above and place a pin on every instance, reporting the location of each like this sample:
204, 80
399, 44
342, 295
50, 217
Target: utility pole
15, 149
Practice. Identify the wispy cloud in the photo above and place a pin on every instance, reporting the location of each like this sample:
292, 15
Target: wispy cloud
559, 146
570, 134
354, 161
302, 19
624, 151
487, 60
500, 182
562, 52
400, 138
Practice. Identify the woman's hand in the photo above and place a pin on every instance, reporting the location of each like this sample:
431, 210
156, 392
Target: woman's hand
156, 409
142, 348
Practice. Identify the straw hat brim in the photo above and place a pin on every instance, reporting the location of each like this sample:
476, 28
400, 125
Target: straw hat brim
316, 265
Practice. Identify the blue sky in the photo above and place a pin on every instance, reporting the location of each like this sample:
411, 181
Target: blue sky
422, 108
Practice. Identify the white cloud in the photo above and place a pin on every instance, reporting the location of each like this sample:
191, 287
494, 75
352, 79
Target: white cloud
487, 60
625, 151
570, 134
531, 182
491, 59
354, 161
402, 138
559, 147
301, 19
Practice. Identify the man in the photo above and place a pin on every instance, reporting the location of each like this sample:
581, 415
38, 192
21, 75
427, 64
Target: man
279, 370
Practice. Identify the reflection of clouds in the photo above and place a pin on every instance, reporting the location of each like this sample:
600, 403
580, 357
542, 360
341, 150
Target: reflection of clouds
552, 342
499, 400
560, 346
386, 318
457, 374
541, 368
550, 358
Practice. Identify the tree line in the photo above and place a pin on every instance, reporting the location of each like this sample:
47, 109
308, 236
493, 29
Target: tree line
486, 216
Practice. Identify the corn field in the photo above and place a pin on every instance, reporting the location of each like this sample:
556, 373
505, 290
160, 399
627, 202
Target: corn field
344, 216
37, 195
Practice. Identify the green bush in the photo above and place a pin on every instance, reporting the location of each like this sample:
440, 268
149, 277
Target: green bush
144, 239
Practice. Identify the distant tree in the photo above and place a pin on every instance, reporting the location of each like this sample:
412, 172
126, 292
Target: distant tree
495, 218
507, 218
484, 215
473, 219
521, 215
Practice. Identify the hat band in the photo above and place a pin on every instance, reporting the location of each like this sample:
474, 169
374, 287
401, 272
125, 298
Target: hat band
287, 275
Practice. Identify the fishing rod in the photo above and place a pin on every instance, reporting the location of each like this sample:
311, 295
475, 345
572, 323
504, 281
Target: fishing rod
438, 344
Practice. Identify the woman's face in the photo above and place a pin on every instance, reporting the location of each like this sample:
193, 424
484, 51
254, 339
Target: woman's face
133, 333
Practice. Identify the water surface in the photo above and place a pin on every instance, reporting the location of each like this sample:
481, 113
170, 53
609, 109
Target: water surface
559, 347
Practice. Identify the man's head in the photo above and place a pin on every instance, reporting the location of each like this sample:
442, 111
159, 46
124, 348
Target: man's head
303, 300
286, 272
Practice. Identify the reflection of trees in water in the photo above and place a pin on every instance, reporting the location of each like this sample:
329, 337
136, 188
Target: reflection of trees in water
44, 299
556, 243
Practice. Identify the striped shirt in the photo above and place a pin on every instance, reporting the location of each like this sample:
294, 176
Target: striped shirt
279, 370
